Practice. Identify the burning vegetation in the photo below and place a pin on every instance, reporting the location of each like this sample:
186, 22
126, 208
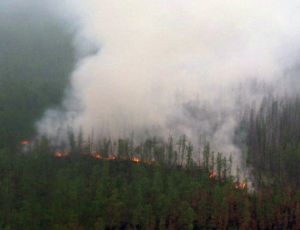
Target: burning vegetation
136, 159
241, 185
104, 192
218, 168
111, 158
58, 154
188, 187
98, 156
25, 142
219, 175
212, 175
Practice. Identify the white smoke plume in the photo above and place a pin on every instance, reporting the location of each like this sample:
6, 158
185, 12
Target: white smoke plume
173, 66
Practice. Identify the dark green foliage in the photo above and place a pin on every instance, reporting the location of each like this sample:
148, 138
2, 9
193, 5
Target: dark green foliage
39, 191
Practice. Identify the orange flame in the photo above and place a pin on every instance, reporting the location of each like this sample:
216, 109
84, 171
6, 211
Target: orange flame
25, 142
58, 154
111, 158
98, 156
136, 159
241, 185
212, 175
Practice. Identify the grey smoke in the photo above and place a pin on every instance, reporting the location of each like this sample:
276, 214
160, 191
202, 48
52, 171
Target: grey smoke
173, 66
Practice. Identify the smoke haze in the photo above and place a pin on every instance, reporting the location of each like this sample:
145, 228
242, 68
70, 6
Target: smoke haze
173, 66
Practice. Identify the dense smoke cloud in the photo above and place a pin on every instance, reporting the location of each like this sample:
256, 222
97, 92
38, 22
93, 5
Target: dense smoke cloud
173, 66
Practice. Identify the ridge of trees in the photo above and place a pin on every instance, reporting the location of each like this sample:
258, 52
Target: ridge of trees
79, 191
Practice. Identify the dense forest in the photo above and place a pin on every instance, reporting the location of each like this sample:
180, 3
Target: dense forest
124, 184
143, 187
156, 184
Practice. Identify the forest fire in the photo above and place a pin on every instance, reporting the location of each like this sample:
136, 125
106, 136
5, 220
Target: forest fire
98, 156
111, 158
59, 154
25, 142
212, 175
136, 159
241, 185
